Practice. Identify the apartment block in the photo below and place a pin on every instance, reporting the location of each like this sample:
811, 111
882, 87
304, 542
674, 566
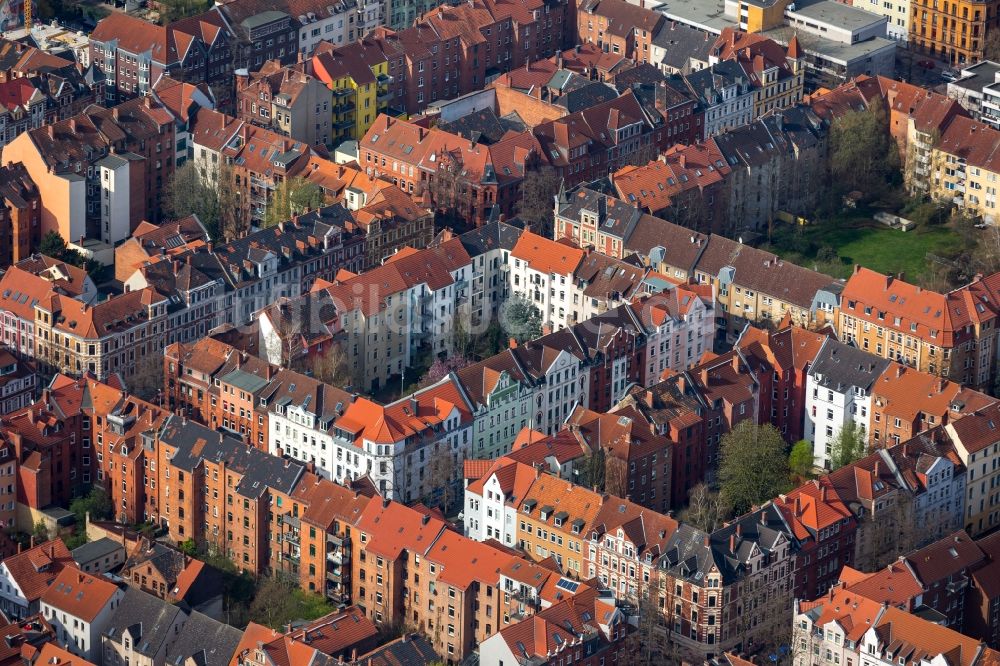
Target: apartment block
196, 462
950, 335
132, 54
358, 77
97, 182
838, 395
956, 32
287, 101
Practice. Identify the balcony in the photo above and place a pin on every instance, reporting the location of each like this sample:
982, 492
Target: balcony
957, 585
342, 125
344, 106
343, 92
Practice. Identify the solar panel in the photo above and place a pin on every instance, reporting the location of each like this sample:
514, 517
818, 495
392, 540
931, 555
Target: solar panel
567, 585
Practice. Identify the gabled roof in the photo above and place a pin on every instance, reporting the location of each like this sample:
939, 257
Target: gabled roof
79, 594
910, 639
145, 619
392, 527
206, 641
34, 569
547, 256
853, 613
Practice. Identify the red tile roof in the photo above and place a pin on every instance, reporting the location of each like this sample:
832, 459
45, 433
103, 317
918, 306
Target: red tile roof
394, 527
547, 256
34, 570
80, 595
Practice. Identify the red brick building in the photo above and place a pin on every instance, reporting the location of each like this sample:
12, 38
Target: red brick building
20, 215
618, 27
455, 48
457, 176
781, 360
824, 528
637, 461
592, 143
672, 409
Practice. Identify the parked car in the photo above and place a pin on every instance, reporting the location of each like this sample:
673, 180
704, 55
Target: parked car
950, 75
926, 64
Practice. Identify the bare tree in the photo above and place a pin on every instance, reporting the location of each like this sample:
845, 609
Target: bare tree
450, 193
648, 644
234, 219
615, 476
444, 470
331, 367
284, 346
536, 205
886, 534
706, 509
146, 378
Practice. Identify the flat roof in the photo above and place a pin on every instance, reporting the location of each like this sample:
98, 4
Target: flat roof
707, 15
830, 49
978, 76
837, 15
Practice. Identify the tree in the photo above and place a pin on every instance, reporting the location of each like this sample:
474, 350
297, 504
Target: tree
52, 245
754, 465
146, 378
443, 475
188, 547
648, 644
292, 197
441, 367
332, 367
190, 194
615, 476
521, 319
278, 601
536, 207
593, 470
863, 155
991, 45
40, 532
97, 504
800, 460
283, 346
449, 192
706, 509
848, 445
175, 10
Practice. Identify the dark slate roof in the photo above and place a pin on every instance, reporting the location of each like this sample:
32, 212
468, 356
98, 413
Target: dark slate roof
841, 365
762, 271
260, 470
624, 217
207, 641
166, 560
146, 618
715, 77
490, 236
692, 553
412, 650
681, 42
584, 97
94, 550
479, 126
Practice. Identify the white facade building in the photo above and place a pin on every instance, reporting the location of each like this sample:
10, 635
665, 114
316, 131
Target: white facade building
79, 608
838, 392
680, 327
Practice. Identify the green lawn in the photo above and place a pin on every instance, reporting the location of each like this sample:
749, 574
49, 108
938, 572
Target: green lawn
863, 241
